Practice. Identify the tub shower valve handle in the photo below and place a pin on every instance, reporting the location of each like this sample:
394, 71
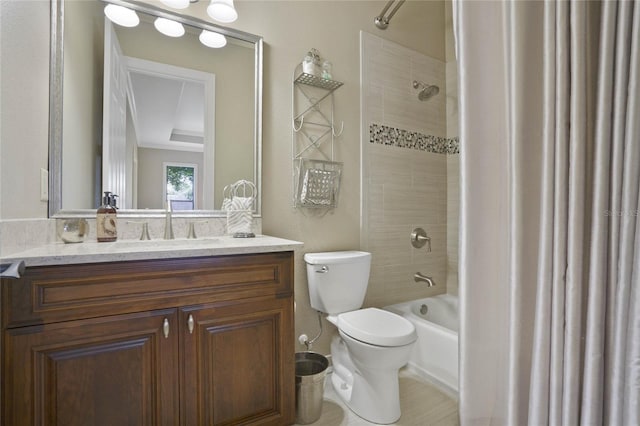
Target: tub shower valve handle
419, 238
418, 277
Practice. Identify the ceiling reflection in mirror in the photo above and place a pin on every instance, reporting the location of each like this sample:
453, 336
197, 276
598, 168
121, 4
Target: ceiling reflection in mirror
134, 100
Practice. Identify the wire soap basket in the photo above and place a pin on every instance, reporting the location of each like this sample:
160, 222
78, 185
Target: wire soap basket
318, 184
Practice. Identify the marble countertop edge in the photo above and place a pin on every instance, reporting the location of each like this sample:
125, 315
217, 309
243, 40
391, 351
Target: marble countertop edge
129, 250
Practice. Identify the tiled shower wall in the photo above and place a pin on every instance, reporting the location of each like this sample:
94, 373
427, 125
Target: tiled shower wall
405, 155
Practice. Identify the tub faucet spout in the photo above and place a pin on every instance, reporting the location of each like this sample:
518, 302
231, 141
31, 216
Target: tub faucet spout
418, 277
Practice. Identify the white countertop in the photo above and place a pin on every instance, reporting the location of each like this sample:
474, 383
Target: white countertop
124, 250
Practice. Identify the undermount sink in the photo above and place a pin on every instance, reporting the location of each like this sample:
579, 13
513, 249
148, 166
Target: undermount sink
177, 243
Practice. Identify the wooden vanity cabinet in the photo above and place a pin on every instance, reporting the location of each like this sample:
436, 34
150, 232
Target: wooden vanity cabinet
192, 341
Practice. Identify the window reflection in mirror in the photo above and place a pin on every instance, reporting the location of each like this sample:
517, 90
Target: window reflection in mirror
165, 100
181, 186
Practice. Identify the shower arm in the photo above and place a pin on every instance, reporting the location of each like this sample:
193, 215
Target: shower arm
381, 21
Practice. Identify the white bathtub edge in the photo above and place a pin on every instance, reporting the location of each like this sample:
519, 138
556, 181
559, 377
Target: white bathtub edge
437, 367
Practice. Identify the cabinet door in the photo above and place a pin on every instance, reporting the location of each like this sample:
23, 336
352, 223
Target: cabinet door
118, 370
238, 364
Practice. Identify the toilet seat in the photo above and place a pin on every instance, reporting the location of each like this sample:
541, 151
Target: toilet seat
377, 327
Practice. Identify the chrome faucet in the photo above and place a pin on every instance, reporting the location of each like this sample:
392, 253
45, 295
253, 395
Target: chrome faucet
168, 227
418, 277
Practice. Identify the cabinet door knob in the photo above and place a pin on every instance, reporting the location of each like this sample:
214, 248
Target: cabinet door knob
190, 323
165, 328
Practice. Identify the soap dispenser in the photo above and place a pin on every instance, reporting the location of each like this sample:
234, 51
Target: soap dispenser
106, 219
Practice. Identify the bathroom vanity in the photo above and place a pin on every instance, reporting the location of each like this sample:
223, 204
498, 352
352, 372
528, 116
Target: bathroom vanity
179, 337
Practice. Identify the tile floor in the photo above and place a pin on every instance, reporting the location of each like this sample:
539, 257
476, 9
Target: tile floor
422, 404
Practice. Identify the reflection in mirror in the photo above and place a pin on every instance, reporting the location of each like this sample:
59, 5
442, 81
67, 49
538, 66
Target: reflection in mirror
134, 101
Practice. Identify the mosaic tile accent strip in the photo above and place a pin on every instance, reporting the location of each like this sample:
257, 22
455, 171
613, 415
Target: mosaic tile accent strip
385, 135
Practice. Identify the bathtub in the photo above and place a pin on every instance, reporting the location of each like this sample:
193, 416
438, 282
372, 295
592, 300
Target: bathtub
435, 354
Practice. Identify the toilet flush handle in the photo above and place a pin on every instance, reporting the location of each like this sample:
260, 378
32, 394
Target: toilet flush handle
323, 270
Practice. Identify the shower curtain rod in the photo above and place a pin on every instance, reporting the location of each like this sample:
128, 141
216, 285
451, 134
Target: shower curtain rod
382, 21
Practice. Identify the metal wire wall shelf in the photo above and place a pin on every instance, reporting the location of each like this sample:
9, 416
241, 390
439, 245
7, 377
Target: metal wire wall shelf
316, 176
312, 80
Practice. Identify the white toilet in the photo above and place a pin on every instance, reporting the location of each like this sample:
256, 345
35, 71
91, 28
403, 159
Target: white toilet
373, 344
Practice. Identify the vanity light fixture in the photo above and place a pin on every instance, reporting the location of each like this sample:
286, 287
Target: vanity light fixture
121, 15
211, 39
222, 11
176, 4
168, 27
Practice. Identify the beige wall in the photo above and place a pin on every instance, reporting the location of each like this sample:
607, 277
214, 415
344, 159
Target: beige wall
289, 28
24, 106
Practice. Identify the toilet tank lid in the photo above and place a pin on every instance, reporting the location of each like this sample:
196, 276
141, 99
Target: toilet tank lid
334, 257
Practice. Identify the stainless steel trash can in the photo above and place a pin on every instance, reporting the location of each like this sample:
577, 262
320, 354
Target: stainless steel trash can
311, 368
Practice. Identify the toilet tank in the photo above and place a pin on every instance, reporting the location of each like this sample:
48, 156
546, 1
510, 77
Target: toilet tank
337, 280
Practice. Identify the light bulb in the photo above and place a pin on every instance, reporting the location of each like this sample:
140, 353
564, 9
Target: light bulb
121, 15
211, 39
222, 11
176, 4
168, 27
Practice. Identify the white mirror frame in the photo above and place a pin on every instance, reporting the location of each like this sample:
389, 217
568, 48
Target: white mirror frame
55, 109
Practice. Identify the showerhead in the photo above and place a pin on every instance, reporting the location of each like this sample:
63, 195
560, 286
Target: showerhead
427, 91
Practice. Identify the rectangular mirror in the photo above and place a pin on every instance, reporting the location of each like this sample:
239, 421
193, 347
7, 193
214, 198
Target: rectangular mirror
126, 102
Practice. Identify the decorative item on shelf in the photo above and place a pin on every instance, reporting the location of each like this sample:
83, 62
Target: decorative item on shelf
311, 63
327, 70
238, 202
73, 230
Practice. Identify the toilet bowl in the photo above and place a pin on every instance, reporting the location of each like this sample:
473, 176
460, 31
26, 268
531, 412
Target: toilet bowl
371, 345
366, 360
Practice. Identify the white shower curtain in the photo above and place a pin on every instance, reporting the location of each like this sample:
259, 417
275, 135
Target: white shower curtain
549, 235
